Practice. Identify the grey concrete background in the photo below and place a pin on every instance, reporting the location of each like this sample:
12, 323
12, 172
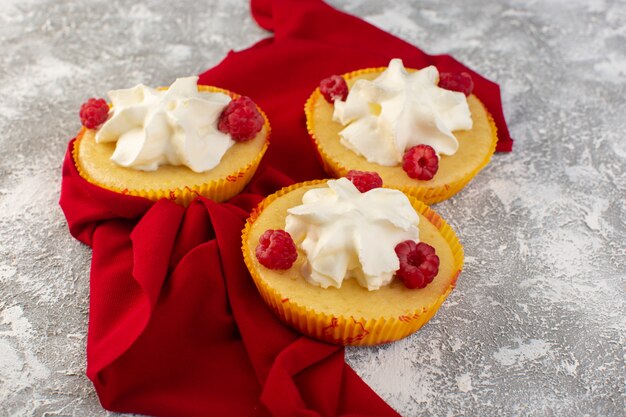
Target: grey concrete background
535, 326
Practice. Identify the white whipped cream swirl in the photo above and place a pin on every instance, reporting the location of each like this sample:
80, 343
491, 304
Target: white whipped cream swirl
177, 126
398, 110
345, 233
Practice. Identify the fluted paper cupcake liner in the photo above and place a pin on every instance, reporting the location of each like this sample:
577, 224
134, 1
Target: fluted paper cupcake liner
429, 195
342, 329
220, 189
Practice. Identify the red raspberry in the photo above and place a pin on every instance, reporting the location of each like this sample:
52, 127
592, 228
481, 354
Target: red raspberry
457, 81
241, 119
276, 249
364, 180
93, 112
421, 162
419, 264
333, 88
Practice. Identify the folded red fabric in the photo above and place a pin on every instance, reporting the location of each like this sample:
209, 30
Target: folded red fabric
176, 325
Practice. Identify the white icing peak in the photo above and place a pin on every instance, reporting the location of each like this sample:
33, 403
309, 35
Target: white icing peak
177, 126
345, 233
385, 117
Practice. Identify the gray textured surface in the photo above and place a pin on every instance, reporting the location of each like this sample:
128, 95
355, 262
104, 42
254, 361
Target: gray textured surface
535, 326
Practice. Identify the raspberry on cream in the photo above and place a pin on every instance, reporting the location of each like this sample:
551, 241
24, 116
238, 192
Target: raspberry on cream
241, 119
457, 81
177, 126
93, 113
398, 110
276, 250
419, 264
420, 162
364, 180
334, 88
348, 234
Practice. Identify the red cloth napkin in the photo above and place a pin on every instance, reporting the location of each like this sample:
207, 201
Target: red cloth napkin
176, 326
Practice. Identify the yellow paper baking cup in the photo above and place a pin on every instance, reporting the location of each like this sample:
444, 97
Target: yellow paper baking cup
218, 189
422, 190
351, 329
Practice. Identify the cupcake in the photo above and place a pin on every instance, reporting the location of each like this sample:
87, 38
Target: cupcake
422, 131
348, 262
177, 143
